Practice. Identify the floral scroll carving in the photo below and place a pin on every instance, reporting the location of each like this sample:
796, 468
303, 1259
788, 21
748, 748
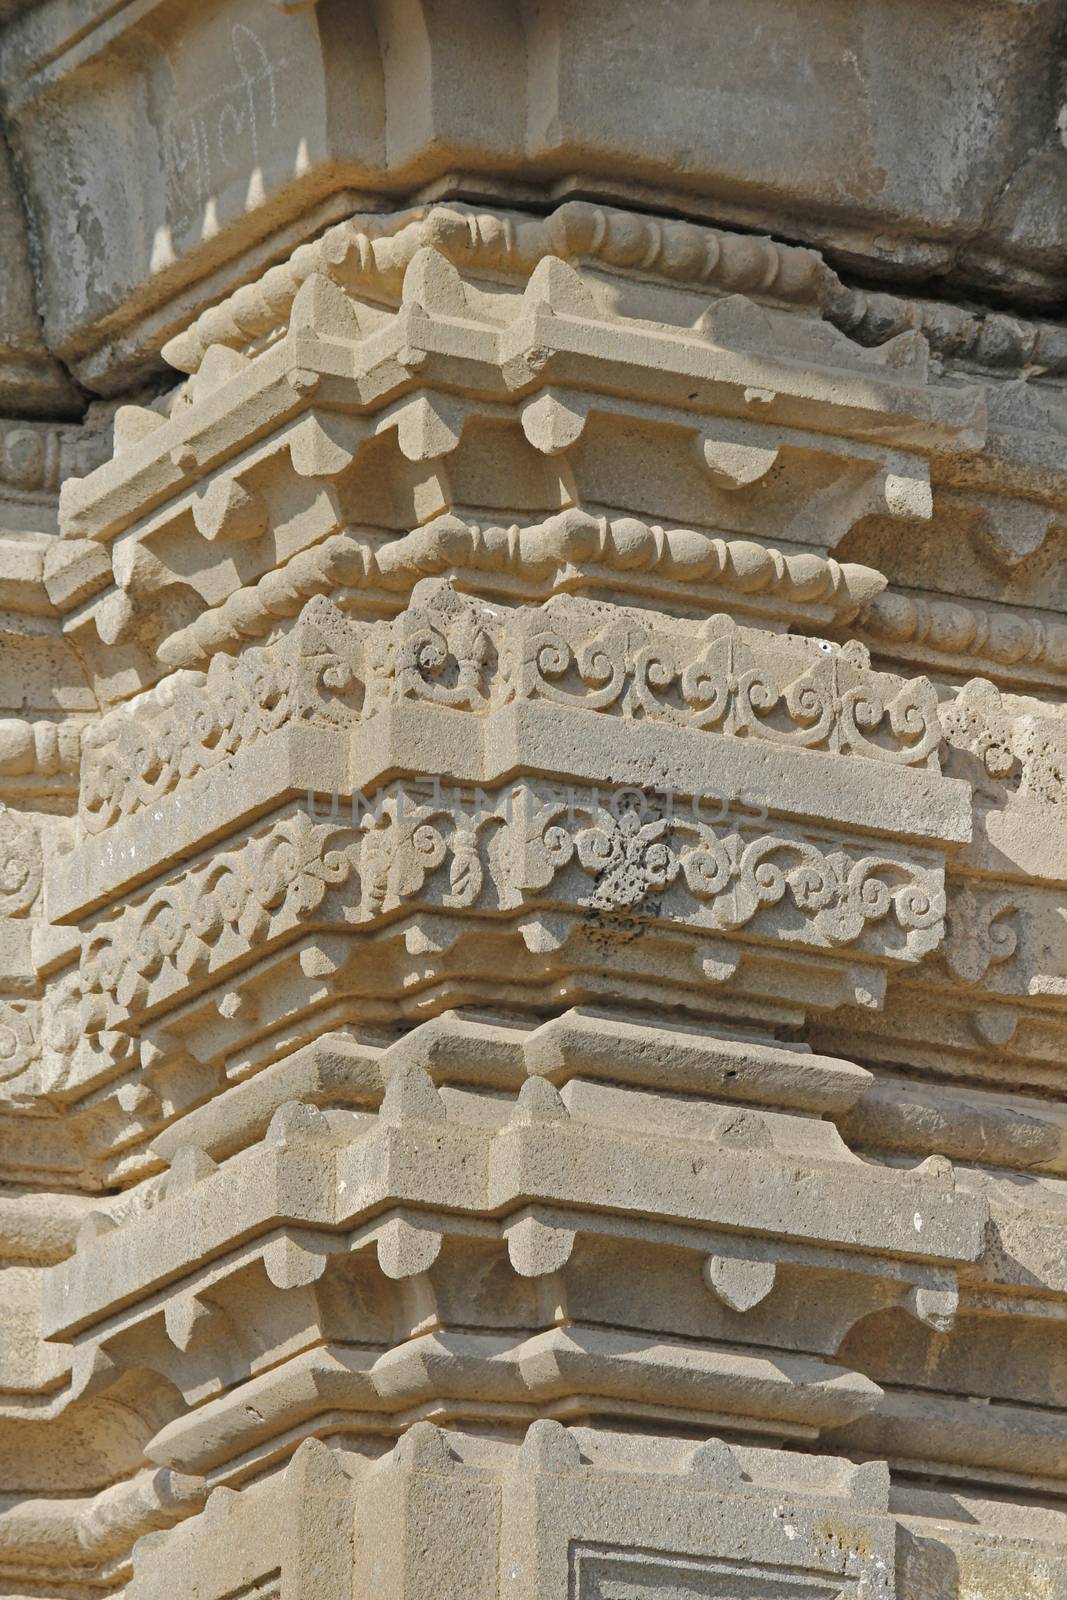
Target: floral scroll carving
528, 845
448, 650
196, 720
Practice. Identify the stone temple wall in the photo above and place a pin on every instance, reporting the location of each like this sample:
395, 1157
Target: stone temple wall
533, 800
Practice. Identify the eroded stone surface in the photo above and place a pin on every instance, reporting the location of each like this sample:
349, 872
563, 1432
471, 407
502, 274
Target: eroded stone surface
533, 988
168, 155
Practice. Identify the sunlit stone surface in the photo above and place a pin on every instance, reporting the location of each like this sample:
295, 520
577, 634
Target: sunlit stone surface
533, 967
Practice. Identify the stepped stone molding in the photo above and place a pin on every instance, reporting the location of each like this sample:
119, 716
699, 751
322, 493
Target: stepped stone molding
248, 127
354, 253
533, 950
503, 331
569, 553
566, 409
719, 1486
339, 1227
356, 257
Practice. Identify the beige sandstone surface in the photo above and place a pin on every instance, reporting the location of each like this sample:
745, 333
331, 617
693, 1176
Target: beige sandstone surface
533, 767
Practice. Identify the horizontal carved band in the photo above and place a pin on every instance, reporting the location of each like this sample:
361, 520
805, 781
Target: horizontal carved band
358, 254
448, 650
571, 550
526, 845
371, 255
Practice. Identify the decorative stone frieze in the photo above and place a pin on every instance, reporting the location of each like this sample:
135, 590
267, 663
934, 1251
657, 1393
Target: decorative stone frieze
533, 951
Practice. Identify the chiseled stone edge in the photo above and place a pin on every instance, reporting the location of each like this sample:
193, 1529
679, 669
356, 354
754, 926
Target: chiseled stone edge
371, 253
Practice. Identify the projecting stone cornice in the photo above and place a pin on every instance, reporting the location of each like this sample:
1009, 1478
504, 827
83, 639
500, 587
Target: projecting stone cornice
773, 428
251, 127
532, 771
369, 253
